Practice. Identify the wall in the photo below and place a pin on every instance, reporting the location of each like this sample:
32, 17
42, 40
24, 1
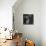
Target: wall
29, 31
6, 13
43, 22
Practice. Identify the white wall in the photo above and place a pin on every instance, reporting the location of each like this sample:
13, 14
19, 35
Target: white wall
43, 22
29, 31
6, 13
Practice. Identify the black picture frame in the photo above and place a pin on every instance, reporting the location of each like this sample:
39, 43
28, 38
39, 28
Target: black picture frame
28, 19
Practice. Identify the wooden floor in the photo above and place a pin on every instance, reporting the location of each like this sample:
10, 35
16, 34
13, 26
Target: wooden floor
8, 43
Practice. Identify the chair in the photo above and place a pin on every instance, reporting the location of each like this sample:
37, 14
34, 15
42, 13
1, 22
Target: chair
29, 43
18, 37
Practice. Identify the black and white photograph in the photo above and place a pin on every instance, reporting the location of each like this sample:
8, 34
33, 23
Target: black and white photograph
28, 18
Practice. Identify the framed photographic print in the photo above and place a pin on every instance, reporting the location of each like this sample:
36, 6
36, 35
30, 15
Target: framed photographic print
28, 19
